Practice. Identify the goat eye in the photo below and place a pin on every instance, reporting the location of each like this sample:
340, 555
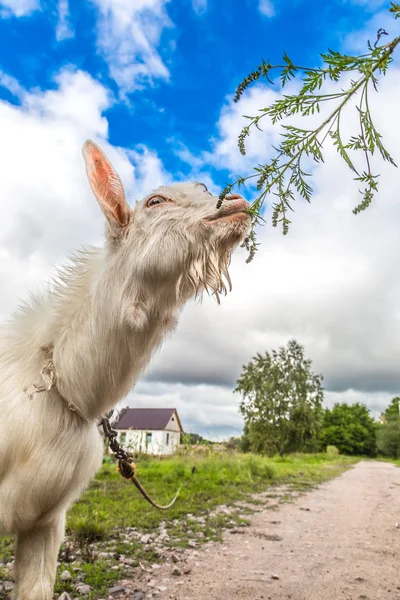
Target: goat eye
156, 200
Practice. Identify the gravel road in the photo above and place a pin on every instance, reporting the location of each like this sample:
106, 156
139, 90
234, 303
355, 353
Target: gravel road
340, 541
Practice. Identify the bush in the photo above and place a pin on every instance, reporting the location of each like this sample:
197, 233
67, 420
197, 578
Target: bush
259, 469
388, 439
351, 429
87, 530
332, 451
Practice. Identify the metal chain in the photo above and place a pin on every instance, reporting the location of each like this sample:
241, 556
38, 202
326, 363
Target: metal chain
125, 460
126, 466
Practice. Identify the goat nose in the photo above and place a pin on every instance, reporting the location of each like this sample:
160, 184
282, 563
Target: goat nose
233, 197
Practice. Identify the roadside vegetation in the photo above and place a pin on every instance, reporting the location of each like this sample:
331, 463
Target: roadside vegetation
113, 533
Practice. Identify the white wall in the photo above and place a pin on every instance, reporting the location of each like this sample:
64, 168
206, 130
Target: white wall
172, 424
135, 440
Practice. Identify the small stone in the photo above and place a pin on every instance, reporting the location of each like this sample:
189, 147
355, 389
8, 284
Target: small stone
162, 588
83, 589
145, 539
175, 558
138, 595
274, 576
8, 586
176, 571
192, 544
65, 575
117, 589
65, 596
187, 570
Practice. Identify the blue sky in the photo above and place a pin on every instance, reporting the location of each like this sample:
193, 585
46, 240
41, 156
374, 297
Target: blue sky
207, 47
152, 83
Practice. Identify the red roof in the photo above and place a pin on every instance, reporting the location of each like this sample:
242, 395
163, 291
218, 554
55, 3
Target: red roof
145, 418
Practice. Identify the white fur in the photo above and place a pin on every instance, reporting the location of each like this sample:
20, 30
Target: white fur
99, 325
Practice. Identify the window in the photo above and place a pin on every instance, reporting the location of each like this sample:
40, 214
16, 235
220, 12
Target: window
122, 439
149, 436
167, 439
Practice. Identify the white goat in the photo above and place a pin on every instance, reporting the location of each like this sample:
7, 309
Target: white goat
91, 337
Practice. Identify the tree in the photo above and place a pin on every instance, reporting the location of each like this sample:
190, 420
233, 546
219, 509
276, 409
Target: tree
282, 401
388, 439
388, 431
245, 443
392, 413
193, 439
285, 175
351, 429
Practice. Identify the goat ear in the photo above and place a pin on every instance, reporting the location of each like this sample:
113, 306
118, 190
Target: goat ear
106, 185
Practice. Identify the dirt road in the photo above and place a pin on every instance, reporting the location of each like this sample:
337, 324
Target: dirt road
338, 542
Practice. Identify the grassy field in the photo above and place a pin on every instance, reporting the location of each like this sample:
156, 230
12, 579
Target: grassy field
114, 502
111, 517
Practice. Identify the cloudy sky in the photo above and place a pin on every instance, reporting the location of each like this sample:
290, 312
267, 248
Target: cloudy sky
152, 82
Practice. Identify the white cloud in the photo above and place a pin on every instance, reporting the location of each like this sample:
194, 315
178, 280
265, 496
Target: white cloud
376, 401
199, 6
11, 84
184, 154
266, 8
356, 41
207, 409
47, 207
128, 37
64, 30
149, 171
18, 8
333, 283
42, 188
213, 411
225, 152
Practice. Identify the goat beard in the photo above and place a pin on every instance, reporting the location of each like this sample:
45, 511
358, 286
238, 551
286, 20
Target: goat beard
208, 272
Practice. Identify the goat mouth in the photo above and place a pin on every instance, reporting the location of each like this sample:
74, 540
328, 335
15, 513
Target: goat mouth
234, 210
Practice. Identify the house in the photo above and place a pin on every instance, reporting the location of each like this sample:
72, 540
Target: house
149, 430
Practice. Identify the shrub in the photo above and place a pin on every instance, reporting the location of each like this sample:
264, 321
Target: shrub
388, 439
87, 530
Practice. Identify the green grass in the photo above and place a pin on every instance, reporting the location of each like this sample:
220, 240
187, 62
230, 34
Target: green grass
111, 504
114, 502
394, 461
